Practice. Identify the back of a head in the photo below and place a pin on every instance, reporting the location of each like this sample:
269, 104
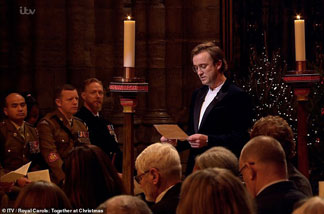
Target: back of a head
163, 157
42, 194
90, 177
279, 129
214, 190
219, 157
314, 205
265, 150
125, 204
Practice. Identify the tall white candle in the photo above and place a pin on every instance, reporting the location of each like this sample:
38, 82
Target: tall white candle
300, 39
129, 43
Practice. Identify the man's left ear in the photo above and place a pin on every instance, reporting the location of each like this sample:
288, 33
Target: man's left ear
219, 64
156, 175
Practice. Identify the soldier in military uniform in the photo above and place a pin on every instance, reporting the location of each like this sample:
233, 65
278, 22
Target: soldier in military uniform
60, 131
101, 131
19, 142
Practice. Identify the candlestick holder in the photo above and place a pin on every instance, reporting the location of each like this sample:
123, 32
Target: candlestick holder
301, 81
128, 86
301, 67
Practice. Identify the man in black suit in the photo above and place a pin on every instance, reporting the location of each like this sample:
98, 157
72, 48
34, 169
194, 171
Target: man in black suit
159, 175
264, 170
279, 129
220, 112
101, 131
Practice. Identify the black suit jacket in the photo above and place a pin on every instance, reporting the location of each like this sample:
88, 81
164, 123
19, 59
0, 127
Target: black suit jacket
278, 198
226, 120
169, 202
301, 182
99, 133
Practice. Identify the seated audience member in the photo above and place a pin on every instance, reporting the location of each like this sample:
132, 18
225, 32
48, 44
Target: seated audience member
90, 178
219, 157
125, 204
159, 175
42, 194
59, 131
264, 171
19, 142
278, 128
101, 131
313, 205
32, 110
214, 190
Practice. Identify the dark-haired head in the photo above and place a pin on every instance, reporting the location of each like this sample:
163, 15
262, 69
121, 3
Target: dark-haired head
90, 177
65, 87
42, 194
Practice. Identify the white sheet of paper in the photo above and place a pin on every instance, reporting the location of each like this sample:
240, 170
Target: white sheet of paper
41, 175
171, 131
14, 175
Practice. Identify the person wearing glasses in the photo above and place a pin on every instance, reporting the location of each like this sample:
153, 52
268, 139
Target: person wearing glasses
220, 112
279, 129
263, 168
159, 175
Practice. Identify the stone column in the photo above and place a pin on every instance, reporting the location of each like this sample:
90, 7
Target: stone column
156, 76
50, 50
175, 59
80, 41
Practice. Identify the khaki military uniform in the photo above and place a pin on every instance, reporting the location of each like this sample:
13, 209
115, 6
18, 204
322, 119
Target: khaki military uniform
17, 148
57, 138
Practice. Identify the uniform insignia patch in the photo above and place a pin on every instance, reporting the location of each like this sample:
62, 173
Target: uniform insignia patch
52, 157
34, 147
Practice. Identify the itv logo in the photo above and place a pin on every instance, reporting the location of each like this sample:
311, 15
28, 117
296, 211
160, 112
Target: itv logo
26, 11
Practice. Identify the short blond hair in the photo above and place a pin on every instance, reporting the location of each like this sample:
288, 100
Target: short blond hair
161, 156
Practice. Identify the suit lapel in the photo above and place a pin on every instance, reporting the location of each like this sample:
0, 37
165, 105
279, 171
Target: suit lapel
199, 101
220, 95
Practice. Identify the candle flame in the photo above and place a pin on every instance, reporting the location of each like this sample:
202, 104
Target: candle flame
129, 17
298, 17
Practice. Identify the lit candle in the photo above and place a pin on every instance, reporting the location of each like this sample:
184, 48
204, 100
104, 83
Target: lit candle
129, 43
300, 39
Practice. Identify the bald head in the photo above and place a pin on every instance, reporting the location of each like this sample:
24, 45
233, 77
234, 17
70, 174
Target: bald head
262, 162
15, 108
264, 149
